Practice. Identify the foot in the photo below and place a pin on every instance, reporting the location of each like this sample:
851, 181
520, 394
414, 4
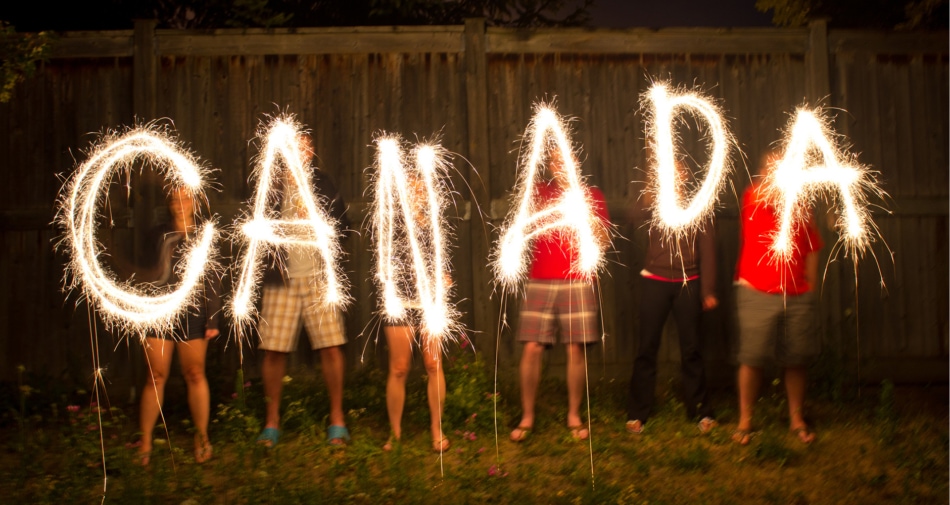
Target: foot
579, 432
143, 458
269, 437
520, 434
388, 446
338, 435
203, 449
742, 436
706, 425
440, 444
804, 434
634, 426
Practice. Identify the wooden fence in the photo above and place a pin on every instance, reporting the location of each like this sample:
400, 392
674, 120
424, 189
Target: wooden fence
474, 88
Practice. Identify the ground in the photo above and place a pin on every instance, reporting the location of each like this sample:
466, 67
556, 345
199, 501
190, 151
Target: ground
876, 444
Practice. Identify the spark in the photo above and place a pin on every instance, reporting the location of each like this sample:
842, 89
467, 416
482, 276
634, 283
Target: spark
571, 213
283, 160
142, 310
409, 210
811, 163
671, 214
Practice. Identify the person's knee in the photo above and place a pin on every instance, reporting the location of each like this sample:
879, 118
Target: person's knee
433, 367
194, 374
399, 370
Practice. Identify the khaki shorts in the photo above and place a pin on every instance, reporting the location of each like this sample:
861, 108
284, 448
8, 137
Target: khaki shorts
283, 309
776, 328
570, 304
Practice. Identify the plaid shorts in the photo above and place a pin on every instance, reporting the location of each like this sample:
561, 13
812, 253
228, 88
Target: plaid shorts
572, 304
284, 307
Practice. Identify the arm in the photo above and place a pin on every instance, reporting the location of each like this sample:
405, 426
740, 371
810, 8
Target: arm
707, 264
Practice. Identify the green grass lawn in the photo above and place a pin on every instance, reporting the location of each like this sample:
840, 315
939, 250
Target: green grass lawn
890, 445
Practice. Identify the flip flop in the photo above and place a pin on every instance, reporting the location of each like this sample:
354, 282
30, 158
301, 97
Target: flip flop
634, 426
520, 434
203, 451
706, 425
742, 437
579, 432
269, 437
338, 435
804, 434
440, 446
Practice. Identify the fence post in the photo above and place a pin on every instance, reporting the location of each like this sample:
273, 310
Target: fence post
479, 180
818, 79
144, 70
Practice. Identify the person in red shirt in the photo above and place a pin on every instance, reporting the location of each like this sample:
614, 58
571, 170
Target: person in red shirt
555, 296
772, 291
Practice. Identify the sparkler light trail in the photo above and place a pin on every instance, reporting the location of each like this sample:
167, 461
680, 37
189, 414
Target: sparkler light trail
811, 163
142, 310
409, 207
283, 165
671, 216
572, 213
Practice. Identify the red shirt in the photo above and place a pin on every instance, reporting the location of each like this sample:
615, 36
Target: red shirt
758, 265
554, 252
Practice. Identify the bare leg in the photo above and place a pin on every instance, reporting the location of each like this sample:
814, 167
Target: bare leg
272, 372
436, 393
331, 360
576, 376
530, 372
796, 382
399, 339
749, 379
192, 354
158, 355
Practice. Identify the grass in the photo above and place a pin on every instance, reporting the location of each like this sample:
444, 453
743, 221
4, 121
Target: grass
888, 446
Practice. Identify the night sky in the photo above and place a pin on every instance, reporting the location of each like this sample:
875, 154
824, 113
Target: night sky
679, 13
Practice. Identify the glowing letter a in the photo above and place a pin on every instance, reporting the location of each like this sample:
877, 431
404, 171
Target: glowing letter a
316, 229
571, 213
413, 199
809, 163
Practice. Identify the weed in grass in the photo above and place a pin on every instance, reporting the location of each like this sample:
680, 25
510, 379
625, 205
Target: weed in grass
771, 448
693, 459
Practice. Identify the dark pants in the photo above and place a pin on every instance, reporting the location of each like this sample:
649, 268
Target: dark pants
657, 299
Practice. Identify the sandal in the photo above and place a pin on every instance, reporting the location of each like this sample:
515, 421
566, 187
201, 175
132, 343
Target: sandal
742, 437
804, 434
142, 458
520, 434
388, 446
269, 437
441, 445
579, 432
203, 449
634, 426
338, 435
706, 425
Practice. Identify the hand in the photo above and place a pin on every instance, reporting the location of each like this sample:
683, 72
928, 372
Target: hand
211, 333
710, 302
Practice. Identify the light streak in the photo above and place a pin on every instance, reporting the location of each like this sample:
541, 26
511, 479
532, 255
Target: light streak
283, 160
571, 213
408, 211
671, 215
142, 310
811, 164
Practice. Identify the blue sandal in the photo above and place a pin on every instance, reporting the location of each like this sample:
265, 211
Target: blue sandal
268, 438
338, 435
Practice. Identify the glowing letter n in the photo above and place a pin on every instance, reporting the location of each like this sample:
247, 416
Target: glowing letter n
414, 200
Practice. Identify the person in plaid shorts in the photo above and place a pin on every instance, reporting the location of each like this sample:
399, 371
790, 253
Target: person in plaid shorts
292, 286
554, 298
